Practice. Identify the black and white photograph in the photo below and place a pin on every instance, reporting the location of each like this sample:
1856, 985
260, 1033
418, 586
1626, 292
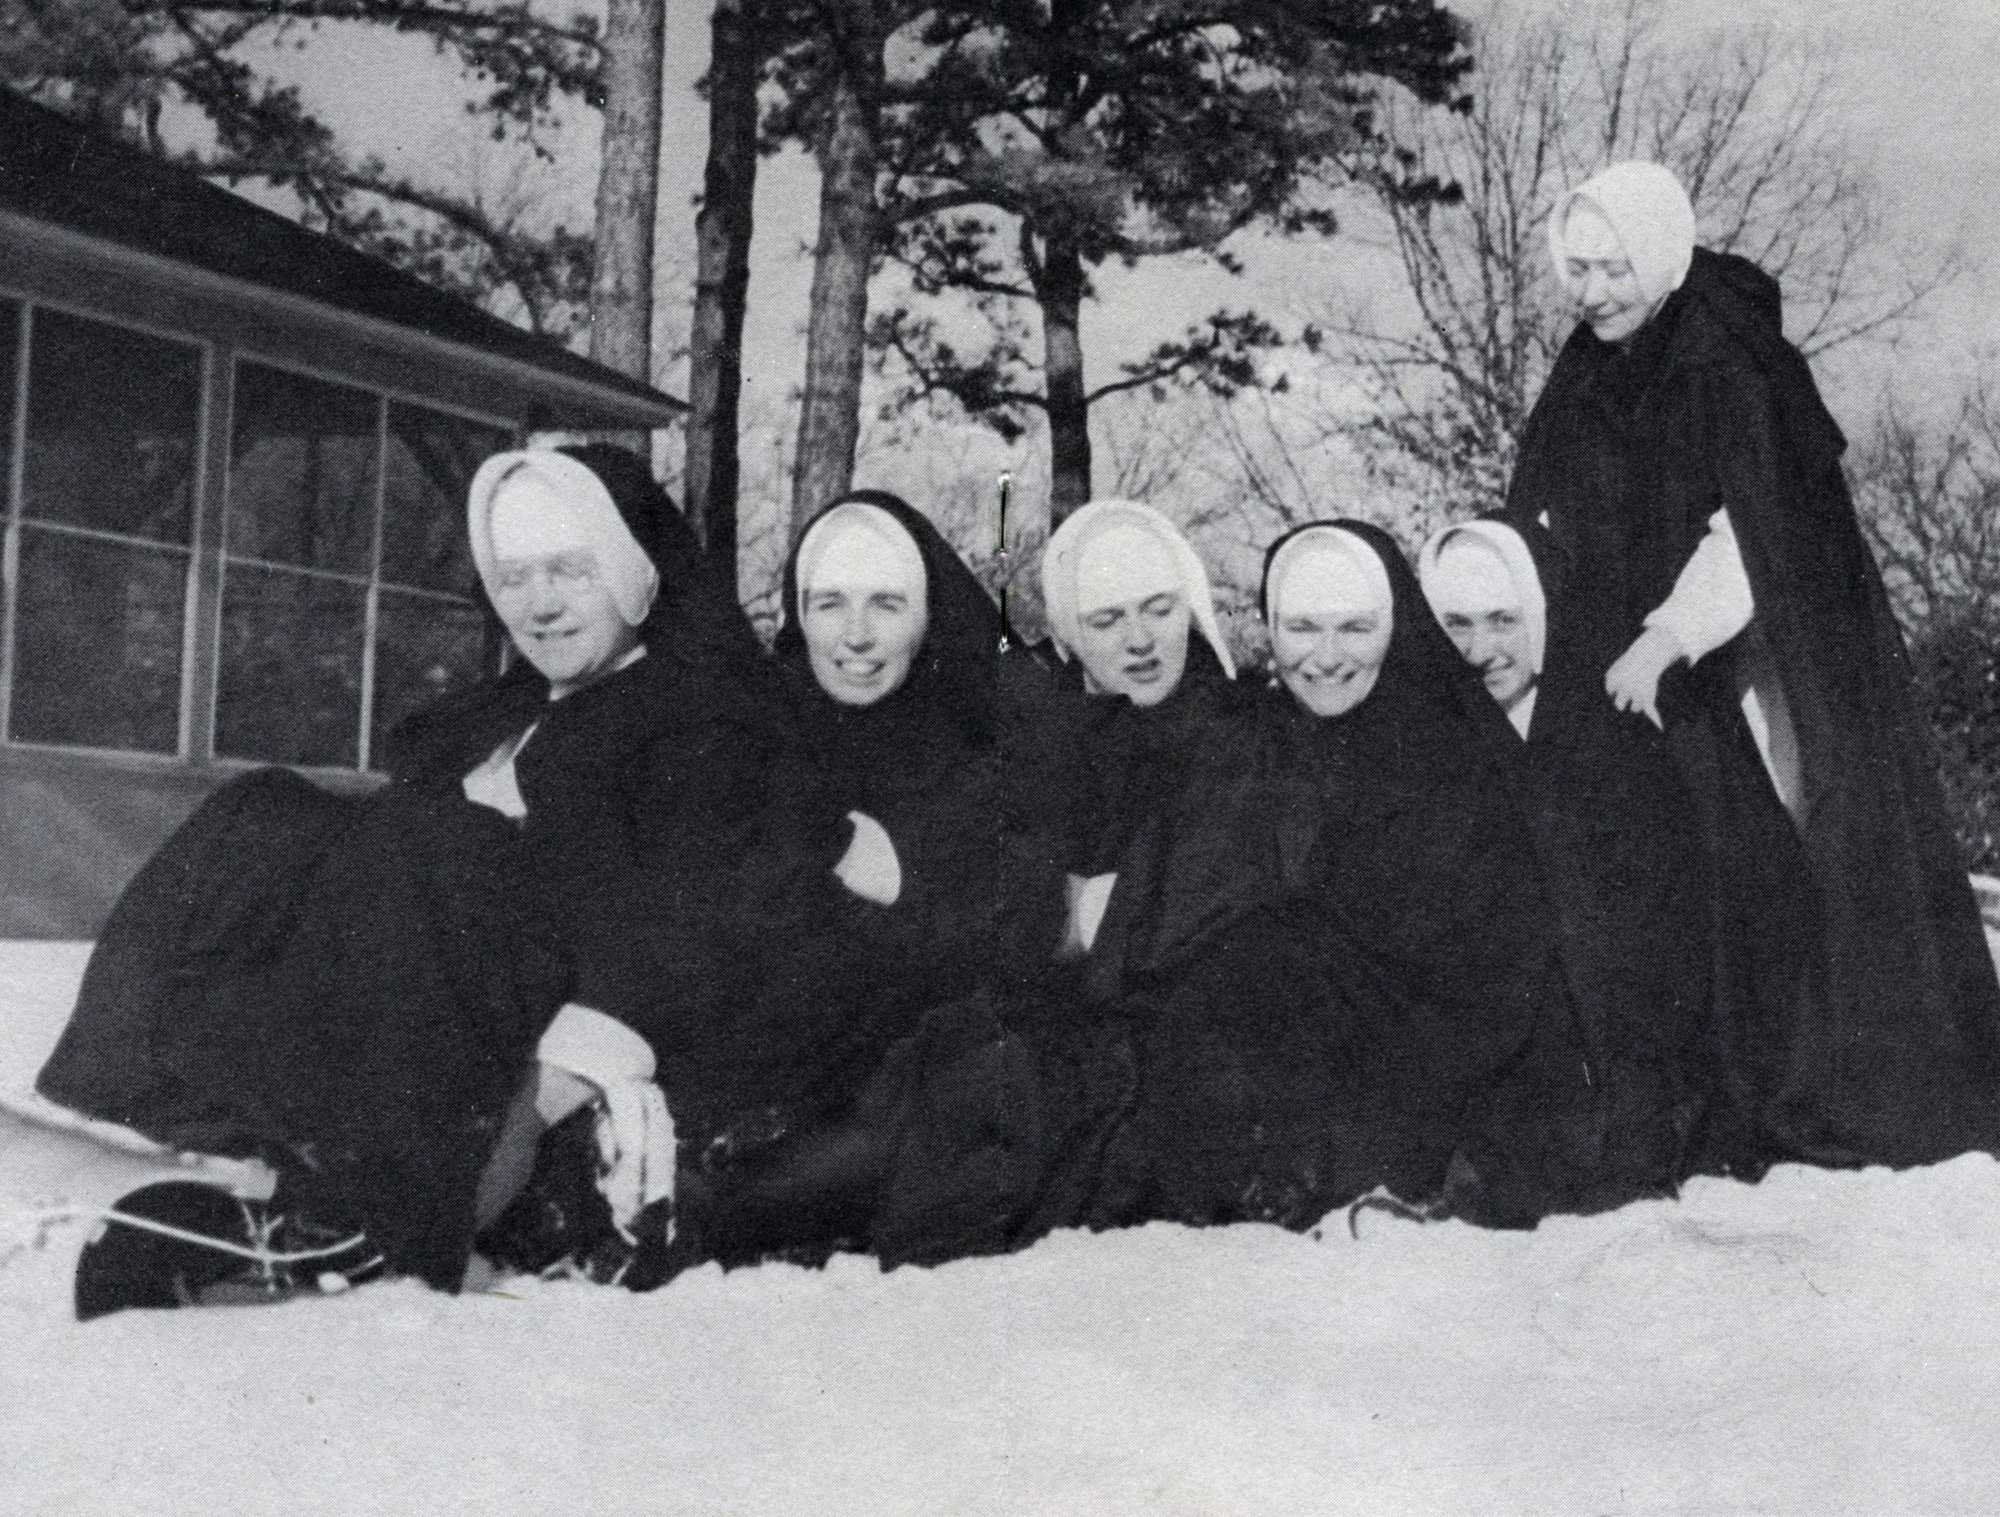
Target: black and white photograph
1080, 757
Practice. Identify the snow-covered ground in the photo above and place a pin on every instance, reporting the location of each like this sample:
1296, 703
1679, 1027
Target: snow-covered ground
1822, 1343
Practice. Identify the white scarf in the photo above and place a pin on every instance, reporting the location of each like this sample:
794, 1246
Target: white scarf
1326, 568
1435, 573
1650, 212
856, 537
547, 502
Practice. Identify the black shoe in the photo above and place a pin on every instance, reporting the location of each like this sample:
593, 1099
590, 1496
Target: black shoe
188, 1243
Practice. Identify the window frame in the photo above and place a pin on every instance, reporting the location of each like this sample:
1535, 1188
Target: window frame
205, 557
15, 521
371, 585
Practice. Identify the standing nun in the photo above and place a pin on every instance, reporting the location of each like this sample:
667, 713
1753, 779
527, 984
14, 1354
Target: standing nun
387, 998
1683, 460
1614, 831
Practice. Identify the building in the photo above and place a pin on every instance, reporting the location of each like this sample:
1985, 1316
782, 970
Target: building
235, 458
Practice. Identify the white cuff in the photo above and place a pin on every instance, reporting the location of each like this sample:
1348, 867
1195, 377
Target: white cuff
636, 1149
600, 1048
1711, 600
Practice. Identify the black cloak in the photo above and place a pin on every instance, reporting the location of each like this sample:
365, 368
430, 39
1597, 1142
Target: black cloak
352, 987
853, 1040
1361, 962
1628, 885
1854, 992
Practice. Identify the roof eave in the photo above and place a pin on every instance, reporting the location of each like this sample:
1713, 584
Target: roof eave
596, 406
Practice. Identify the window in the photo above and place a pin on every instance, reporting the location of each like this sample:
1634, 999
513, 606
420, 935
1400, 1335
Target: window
106, 530
432, 631
347, 596
347, 586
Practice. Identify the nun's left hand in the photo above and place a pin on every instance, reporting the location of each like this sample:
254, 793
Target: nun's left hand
1633, 681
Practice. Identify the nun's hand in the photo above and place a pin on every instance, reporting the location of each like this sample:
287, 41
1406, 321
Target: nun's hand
1633, 682
870, 868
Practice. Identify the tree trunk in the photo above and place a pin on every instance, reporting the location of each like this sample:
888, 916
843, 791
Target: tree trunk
722, 282
836, 324
628, 185
1059, 291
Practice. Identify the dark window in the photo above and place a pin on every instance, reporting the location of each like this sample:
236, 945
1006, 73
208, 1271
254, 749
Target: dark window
112, 426
107, 515
431, 461
10, 354
289, 687
302, 470
304, 582
432, 636
97, 651
425, 649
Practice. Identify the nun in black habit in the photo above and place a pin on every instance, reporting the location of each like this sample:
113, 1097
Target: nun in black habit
862, 1092
1615, 834
356, 990
1147, 749
1360, 952
1414, 901
1682, 458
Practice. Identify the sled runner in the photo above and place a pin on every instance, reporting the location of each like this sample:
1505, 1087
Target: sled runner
193, 1243
92, 1222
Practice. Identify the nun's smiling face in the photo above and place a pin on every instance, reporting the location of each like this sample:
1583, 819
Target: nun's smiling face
1331, 615
863, 626
1329, 657
1601, 278
560, 614
1481, 611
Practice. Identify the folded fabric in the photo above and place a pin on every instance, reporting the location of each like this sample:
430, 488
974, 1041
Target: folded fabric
635, 1131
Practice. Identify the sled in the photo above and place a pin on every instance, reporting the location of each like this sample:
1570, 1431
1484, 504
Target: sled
95, 1220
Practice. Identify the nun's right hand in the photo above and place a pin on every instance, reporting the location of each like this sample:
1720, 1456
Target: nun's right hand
870, 868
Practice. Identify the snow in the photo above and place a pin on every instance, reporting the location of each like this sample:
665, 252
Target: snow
1820, 1343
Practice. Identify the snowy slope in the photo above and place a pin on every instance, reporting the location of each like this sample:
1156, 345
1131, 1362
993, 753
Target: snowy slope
1822, 1343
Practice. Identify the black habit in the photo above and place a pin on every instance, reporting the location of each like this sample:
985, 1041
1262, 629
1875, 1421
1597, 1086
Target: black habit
1854, 994
352, 988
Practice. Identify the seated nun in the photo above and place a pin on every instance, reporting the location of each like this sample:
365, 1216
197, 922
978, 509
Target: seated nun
1378, 960
388, 998
1620, 852
890, 899
1124, 590
1422, 947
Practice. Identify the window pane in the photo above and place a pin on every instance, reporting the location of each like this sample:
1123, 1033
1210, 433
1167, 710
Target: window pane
302, 471
112, 420
10, 353
431, 461
97, 656
425, 649
289, 687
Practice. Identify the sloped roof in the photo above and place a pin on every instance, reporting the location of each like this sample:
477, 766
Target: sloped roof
56, 171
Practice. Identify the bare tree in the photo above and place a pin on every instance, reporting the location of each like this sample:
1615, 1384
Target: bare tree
1748, 118
1929, 502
